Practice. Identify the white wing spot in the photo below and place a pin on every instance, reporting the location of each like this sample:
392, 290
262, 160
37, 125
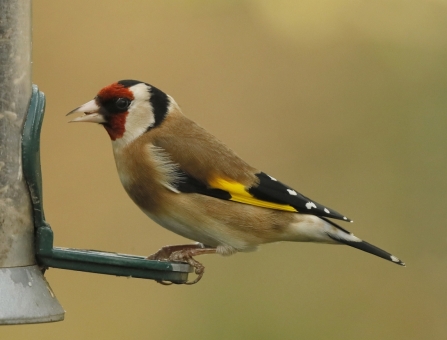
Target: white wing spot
345, 218
292, 192
326, 210
310, 205
394, 258
273, 178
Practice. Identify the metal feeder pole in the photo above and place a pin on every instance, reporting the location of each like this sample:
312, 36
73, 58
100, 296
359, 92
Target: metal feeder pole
25, 296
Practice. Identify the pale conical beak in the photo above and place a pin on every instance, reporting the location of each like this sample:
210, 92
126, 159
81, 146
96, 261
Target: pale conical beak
91, 113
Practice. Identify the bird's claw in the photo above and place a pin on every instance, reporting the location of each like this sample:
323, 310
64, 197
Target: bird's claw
183, 253
186, 256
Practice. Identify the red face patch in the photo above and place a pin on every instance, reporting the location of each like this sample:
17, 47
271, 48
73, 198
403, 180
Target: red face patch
115, 90
115, 126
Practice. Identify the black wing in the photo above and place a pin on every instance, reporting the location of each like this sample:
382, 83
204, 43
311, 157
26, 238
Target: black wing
270, 189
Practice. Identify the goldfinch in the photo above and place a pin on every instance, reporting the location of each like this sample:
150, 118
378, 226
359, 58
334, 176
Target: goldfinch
190, 183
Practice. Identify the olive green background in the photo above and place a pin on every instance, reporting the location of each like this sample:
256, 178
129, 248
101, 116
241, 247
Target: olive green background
343, 100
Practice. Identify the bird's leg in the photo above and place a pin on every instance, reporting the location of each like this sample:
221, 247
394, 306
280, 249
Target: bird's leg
186, 255
165, 252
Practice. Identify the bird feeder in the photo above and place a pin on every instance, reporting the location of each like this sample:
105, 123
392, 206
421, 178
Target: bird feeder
26, 239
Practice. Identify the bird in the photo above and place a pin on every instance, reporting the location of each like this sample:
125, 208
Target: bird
191, 183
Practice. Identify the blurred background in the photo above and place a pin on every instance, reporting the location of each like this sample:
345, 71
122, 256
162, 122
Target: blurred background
343, 100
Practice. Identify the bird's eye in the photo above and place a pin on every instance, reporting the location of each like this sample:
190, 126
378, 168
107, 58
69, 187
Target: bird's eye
122, 103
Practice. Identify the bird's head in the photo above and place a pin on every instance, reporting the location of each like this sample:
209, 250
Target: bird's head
126, 109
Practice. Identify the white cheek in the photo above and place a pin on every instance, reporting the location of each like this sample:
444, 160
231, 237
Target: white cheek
140, 117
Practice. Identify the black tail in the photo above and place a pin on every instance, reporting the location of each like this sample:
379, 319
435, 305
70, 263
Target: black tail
362, 245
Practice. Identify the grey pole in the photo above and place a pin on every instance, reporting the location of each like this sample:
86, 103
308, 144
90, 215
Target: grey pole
25, 296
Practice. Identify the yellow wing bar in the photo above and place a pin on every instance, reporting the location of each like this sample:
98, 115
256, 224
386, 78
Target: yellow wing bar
240, 194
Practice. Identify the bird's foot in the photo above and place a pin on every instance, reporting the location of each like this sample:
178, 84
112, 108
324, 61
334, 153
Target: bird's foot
184, 253
165, 252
